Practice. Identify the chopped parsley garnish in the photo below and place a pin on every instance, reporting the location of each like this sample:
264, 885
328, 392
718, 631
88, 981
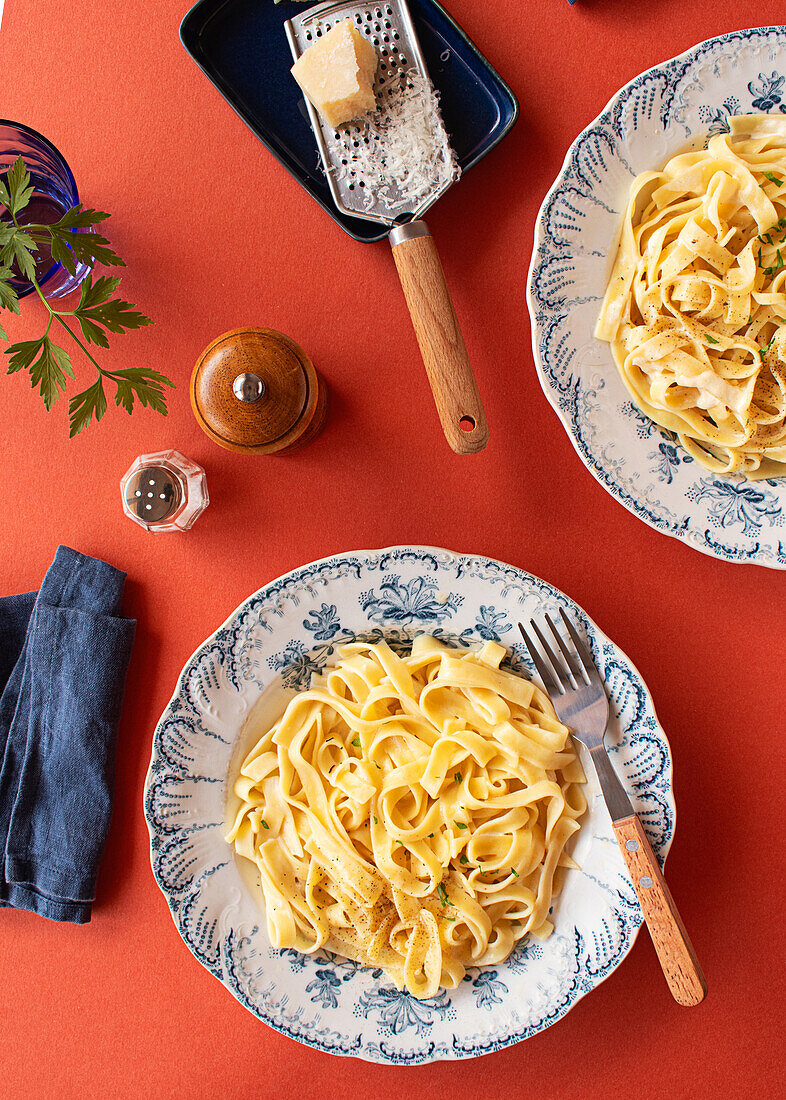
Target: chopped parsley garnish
443, 895
711, 339
763, 351
773, 178
376, 765
458, 777
513, 871
460, 825
401, 842
264, 824
356, 743
375, 819
450, 920
463, 858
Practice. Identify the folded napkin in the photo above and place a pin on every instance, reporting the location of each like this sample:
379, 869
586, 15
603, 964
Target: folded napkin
64, 653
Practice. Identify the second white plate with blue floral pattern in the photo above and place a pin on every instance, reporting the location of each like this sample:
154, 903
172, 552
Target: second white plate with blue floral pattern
650, 120
272, 643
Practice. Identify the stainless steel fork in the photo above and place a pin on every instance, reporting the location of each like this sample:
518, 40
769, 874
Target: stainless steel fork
573, 682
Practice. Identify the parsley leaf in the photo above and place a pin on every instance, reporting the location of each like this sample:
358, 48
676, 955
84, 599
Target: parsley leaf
773, 178
513, 871
47, 363
80, 217
70, 247
460, 825
710, 339
145, 384
356, 743
457, 777
115, 314
443, 895
17, 190
8, 296
18, 248
463, 858
85, 406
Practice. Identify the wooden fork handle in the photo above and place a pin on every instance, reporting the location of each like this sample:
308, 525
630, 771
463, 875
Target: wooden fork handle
674, 949
439, 336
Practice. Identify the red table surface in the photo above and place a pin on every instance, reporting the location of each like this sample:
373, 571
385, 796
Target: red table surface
216, 234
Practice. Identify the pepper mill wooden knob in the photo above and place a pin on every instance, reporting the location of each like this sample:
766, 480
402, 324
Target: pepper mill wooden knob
255, 390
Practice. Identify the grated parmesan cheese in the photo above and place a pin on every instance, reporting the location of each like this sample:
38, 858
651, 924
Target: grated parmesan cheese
402, 151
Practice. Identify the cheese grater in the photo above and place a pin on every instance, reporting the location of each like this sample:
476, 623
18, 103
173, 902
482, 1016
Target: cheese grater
389, 27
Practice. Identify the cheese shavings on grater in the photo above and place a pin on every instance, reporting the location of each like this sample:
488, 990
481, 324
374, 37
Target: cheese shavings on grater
401, 153
398, 160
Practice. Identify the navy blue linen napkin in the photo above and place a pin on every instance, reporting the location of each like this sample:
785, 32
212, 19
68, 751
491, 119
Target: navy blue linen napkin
64, 653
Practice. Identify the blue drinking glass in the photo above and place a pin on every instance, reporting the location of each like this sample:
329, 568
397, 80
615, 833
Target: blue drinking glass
54, 193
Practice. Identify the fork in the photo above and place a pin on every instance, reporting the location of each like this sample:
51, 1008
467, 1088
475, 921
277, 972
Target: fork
573, 682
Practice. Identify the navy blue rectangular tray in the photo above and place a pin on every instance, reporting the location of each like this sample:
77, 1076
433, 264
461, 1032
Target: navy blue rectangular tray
242, 48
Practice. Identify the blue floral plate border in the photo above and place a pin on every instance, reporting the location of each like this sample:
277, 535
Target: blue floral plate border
653, 117
271, 644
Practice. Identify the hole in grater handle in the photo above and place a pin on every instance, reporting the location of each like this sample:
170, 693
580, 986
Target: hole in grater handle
467, 423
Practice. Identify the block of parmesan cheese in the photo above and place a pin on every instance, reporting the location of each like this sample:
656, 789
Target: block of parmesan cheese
337, 74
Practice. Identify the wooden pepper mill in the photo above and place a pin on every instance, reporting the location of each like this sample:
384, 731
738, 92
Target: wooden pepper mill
254, 390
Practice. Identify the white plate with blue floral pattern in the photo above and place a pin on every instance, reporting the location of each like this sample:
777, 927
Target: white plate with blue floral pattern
272, 643
650, 120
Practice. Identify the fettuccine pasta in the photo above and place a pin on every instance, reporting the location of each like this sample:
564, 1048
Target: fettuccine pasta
411, 813
695, 310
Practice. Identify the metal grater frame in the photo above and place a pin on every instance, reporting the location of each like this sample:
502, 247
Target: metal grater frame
389, 26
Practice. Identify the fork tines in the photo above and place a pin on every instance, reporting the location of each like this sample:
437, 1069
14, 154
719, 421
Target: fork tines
560, 673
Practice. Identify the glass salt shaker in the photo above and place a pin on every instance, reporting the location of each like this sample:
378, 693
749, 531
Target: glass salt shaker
164, 491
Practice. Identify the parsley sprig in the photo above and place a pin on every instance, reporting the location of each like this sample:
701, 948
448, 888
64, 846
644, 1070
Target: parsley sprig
97, 313
776, 236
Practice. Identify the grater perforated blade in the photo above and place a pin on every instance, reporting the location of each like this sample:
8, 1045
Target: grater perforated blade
390, 29
401, 69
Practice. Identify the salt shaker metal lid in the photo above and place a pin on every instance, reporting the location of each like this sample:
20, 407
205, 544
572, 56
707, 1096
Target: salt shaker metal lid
255, 390
164, 491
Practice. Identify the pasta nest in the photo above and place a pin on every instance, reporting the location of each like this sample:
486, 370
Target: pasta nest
695, 310
411, 812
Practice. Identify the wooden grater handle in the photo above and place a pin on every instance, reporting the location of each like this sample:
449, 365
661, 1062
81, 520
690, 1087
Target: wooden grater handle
675, 951
439, 336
